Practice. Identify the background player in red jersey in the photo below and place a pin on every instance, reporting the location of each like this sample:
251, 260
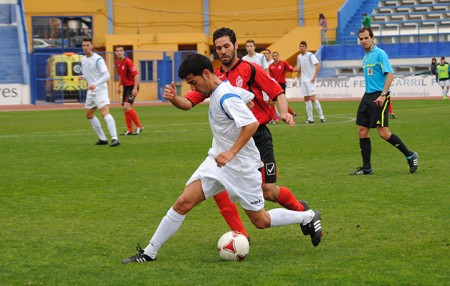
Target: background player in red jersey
129, 80
253, 78
277, 70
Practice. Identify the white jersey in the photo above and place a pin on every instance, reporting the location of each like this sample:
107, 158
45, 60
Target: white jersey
95, 72
307, 63
228, 113
267, 63
256, 58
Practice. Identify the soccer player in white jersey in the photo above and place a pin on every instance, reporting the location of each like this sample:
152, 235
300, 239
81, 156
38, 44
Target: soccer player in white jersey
308, 67
252, 56
232, 164
95, 72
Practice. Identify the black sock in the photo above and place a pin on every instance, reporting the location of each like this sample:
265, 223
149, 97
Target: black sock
366, 150
397, 143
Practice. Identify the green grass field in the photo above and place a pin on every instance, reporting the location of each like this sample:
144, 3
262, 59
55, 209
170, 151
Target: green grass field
71, 211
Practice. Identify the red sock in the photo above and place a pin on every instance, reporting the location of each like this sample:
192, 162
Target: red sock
129, 120
390, 107
135, 118
288, 200
291, 111
230, 212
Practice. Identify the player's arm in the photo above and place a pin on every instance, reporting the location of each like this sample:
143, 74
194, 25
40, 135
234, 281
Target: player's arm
284, 113
247, 132
170, 93
387, 85
134, 72
316, 72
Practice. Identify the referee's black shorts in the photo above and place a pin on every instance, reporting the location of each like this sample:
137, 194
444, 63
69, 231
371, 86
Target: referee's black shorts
371, 115
263, 141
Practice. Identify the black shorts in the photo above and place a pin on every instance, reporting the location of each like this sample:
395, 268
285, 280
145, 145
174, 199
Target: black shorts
371, 115
263, 141
127, 91
283, 86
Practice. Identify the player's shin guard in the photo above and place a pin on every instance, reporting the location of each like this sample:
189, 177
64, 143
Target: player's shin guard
135, 118
129, 120
288, 200
230, 212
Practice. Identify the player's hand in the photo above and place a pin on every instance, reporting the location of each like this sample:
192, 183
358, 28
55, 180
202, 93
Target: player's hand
170, 91
223, 158
134, 92
119, 91
288, 118
91, 87
380, 100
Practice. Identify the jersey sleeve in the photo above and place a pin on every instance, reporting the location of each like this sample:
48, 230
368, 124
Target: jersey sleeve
233, 105
385, 64
131, 68
195, 97
288, 67
267, 83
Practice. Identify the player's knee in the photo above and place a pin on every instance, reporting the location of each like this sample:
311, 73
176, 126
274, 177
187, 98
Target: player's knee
182, 206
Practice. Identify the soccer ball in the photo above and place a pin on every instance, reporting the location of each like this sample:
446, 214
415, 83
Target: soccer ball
233, 246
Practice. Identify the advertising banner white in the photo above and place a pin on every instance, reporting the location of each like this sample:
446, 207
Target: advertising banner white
11, 94
354, 87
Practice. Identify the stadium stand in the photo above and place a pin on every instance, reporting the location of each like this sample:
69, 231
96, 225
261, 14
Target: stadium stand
410, 31
12, 49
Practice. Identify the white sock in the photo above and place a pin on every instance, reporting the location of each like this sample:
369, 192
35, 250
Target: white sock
111, 124
319, 109
97, 128
168, 226
309, 110
280, 217
443, 92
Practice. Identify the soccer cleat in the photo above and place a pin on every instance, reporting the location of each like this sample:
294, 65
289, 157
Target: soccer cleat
393, 116
304, 204
101, 142
114, 143
362, 171
323, 120
314, 229
139, 130
138, 257
294, 115
129, 133
413, 162
308, 122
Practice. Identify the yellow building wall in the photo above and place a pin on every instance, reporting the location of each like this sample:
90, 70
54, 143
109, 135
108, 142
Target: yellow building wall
161, 25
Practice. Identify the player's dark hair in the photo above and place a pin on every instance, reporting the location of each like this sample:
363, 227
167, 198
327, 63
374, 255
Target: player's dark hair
362, 30
219, 33
194, 64
119, 46
442, 58
87, 40
303, 43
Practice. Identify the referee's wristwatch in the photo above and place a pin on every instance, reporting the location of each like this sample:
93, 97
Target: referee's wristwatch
383, 94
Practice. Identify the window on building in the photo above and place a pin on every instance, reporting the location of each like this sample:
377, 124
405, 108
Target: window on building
146, 70
63, 32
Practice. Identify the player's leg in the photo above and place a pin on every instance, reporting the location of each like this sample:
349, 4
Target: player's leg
308, 105
365, 115
103, 103
95, 123
230, 213
317, 105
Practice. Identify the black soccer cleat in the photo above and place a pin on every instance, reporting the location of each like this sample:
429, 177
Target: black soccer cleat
314, 229
308, 122
101, 142
362, 171
138, 257
304, 204
114, 143
413, 162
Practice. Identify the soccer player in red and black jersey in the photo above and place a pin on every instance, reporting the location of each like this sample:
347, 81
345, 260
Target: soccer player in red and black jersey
255, 79
277, 70
129, 80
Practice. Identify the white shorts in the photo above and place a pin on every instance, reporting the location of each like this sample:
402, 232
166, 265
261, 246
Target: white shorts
244, 187
308, 88
96, 100
444, 82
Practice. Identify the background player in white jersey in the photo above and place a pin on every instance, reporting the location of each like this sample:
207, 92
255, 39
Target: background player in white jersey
232, 163
252, 56
308, 67
96, 74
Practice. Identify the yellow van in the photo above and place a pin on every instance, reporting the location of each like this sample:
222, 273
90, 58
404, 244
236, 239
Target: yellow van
62, 78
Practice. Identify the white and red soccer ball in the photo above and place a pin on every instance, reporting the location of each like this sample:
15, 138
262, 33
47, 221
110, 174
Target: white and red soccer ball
233, 246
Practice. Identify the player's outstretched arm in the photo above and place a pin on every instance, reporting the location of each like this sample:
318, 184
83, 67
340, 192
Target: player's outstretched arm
170, 93
284, 114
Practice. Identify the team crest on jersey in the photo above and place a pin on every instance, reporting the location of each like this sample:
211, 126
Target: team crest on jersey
239, 81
